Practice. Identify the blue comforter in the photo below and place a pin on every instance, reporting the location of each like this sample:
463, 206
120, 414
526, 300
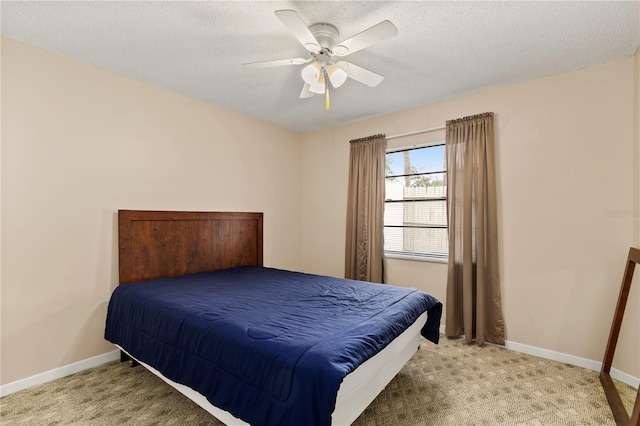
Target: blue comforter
267, 345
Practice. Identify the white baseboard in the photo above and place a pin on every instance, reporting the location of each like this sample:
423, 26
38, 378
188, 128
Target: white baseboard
58, 373
568, 359
634, 382
573, 360
553, 355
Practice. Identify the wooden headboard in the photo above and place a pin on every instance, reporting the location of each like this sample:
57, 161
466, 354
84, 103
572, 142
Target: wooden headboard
159, 244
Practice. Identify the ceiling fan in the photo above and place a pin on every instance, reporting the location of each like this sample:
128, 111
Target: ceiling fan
321, 40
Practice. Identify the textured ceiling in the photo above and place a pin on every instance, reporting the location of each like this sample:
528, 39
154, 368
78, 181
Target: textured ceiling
442, 50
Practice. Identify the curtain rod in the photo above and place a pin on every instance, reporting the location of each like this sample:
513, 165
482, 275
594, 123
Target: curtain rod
417, 132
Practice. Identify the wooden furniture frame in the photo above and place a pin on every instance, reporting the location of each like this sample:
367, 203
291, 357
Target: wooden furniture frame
615, 402
160, 244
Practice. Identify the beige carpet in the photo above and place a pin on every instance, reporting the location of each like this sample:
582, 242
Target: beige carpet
448, 384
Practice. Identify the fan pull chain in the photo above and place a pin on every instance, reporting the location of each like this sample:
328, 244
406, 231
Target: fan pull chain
327, 104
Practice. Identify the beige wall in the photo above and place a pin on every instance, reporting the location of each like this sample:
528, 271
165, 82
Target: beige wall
564, 147
631, 321
636, 130
636, 156
78, 144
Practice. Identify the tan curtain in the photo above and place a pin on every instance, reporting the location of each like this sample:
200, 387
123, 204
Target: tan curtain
365, 209
474, 306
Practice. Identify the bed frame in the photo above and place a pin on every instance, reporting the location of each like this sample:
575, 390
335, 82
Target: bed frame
159, 244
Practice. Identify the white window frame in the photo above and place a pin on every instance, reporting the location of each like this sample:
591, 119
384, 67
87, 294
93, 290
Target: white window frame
434, 258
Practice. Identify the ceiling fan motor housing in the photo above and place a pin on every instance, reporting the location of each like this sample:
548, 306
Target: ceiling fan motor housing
323, 57
326, 34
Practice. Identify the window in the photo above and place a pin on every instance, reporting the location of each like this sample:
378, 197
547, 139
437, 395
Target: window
415, 211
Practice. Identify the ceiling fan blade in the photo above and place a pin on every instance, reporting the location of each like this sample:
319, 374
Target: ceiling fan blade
361, 75
306, 93
296, 25
366, 38
277, 63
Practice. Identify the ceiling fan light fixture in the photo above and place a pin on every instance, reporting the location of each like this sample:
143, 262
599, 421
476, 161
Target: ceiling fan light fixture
311, 73
337, 75
318, 86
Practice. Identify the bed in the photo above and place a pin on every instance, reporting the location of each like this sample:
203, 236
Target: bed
250, 344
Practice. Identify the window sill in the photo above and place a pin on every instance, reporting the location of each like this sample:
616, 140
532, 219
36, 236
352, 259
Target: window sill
431, 259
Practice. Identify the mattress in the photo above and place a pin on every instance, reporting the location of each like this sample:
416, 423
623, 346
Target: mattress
268, 346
